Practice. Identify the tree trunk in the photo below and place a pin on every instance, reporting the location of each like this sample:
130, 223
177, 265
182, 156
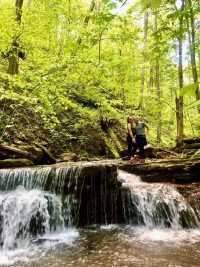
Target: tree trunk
86, 20
158, 90
192, 45
13, 56
151, 79
179, 99
146, 18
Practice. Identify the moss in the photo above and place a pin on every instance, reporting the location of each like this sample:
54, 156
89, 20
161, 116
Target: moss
110, 148
10, 163
115, 140
36, 154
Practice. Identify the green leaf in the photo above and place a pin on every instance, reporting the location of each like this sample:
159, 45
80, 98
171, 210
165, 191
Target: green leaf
189, 89
193, 104
156, 3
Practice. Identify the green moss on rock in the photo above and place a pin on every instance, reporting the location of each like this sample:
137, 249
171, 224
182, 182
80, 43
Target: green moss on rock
11, 163
110, 148
115, 140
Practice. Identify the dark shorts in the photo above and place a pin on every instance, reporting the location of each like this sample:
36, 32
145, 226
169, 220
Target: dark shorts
141, 140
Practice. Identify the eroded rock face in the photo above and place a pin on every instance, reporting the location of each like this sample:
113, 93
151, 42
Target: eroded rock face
191, 193
168, 170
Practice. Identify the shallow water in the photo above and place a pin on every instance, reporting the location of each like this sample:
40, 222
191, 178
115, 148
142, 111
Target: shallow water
112, 245
52, 243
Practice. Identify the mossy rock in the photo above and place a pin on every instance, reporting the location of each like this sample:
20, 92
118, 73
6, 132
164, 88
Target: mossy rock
110, 149
36, 154
12, 163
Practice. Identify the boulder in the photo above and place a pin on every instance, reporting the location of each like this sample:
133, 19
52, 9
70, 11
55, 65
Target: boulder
70, 156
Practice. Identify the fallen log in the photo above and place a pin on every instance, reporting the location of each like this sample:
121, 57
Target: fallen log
191, 141
188, 146
14, 150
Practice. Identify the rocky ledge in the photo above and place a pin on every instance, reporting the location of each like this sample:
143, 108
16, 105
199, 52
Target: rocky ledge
162, 170
165, 170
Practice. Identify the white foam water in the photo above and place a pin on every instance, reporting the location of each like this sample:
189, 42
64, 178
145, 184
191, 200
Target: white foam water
163, 211
27, 213
31, 222
38, 248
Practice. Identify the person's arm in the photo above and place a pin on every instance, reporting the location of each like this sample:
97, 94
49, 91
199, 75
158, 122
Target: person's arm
130, 131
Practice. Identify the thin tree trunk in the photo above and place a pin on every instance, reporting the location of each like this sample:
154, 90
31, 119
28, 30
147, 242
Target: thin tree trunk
146, 19
86, 20
192, 45
179, 99
158, 90
151, 79
13, 56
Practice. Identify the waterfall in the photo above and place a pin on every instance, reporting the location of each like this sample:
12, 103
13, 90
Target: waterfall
155, 204
29, 178
44, 178
38, 201
26, 214
90, 194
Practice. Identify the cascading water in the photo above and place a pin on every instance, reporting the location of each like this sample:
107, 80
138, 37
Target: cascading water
27, 211
155, 205
27, 177
27, 214
38, 202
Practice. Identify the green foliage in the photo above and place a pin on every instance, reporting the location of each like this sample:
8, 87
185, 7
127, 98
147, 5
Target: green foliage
154, 3
189, 89
193, 104
69, 86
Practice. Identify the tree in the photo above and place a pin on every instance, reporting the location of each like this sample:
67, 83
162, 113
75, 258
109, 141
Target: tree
179, 99
15, 51
192, 47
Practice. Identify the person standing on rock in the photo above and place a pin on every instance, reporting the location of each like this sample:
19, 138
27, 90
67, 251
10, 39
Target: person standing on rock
141, 141
131, 137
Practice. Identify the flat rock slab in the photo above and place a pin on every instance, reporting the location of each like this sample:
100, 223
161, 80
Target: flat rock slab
162, 170
171, 170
